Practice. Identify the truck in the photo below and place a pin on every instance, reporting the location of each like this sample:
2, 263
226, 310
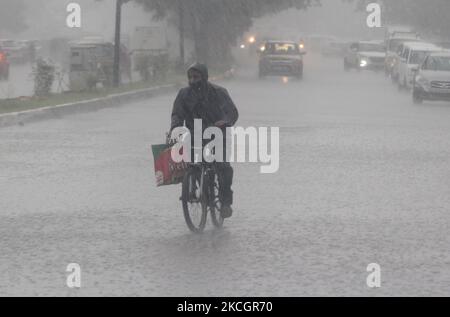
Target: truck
92, 63
149, 46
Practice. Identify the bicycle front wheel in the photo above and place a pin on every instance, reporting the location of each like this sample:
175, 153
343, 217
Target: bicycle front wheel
214, 201
194, 204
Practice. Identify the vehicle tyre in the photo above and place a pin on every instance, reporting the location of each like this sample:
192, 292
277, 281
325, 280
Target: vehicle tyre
194, 201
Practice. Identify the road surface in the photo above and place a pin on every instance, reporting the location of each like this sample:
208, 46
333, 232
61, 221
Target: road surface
364, 178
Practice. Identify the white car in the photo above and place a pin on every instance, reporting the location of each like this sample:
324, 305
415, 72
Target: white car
432, 78
393, 44
395, 60
365, 55
413, 55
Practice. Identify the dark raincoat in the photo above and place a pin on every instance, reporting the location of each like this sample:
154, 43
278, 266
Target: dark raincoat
210, 102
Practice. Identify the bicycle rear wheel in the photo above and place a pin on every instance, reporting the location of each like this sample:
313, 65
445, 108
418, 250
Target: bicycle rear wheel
194, 204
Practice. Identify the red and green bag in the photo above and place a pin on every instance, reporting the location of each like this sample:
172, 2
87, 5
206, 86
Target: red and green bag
167, 172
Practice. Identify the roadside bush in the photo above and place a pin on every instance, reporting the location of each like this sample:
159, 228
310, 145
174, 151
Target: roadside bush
44, 76
142, 65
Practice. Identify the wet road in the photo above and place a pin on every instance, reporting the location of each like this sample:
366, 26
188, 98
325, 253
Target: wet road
364, 177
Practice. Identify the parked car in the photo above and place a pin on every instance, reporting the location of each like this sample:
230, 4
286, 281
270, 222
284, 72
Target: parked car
282, 58
432, 78
365, 55
16, 52
393, 45
412, 56
4, 66
396, 61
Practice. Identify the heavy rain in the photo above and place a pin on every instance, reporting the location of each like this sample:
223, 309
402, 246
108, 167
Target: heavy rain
93, 203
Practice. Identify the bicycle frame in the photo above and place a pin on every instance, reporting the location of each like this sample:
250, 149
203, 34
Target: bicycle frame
204, 168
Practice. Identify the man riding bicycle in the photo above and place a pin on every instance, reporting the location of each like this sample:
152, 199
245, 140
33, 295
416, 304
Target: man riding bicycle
213, 105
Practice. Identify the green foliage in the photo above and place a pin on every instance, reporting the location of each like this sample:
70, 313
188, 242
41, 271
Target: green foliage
44, 76
215, 25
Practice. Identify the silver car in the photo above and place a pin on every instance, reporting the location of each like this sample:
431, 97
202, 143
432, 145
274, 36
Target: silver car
432, 78
365, 55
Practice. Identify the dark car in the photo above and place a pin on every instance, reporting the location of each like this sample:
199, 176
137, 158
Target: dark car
4, 66
281, 58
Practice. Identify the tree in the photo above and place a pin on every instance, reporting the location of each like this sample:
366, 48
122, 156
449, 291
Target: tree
11, 15
215, 25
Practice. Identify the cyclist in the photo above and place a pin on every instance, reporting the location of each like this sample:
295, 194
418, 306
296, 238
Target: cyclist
213, 105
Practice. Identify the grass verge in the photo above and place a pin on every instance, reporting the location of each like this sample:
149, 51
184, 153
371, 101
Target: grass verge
28, 103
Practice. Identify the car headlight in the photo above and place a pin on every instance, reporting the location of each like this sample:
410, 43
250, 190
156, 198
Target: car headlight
363, 63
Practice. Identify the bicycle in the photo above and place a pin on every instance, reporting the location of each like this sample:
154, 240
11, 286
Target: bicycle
200, 189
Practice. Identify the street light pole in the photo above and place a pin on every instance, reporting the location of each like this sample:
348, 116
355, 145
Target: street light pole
181, 31
116, 71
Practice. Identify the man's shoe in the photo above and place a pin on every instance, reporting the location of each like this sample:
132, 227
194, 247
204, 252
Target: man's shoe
226, 211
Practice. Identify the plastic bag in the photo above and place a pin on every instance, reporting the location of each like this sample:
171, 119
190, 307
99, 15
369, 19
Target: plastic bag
167, 172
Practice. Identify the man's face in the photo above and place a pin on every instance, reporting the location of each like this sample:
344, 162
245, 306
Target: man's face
195, 78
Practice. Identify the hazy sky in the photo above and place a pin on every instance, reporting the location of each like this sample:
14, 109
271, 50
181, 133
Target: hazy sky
333, 18
46, 19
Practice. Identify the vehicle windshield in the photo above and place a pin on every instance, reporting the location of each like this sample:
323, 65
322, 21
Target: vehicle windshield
417, 57
368, 47
442, 63
282, 49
